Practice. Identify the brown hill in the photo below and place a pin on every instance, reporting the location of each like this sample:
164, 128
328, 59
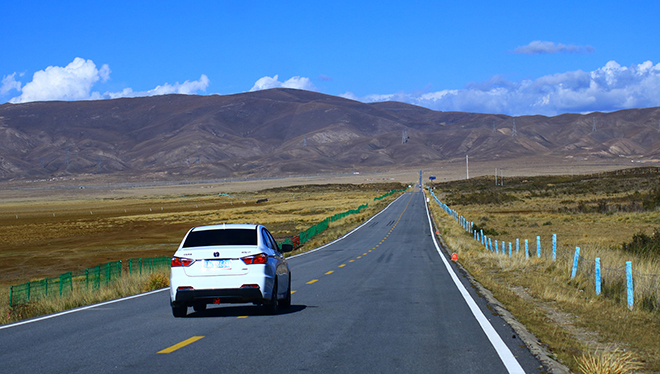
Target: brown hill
290, 132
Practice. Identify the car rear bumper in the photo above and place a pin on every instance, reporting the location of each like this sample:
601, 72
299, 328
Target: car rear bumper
219, 296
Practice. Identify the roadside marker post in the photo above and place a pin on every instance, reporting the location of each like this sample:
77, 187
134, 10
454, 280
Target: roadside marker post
554, 247
629, 284
576, 258
517, 245
538, 246
597, 280
526, 249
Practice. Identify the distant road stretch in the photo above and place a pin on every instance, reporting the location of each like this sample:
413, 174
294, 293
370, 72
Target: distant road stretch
383, 299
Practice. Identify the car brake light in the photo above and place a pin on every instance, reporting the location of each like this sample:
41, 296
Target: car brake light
250, 286
261, 258
178, 262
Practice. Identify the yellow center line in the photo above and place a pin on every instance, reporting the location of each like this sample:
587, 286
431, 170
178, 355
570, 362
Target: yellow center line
370, 250
359, 256
292, 292
364, 254
312, 281
329, 272
242, 317
342, 265
351, 260
181, 345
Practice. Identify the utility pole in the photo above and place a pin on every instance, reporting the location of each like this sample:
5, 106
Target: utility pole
467, 168
514, 132
593, 126
496, 176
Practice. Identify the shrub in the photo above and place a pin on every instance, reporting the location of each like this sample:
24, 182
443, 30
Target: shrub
642, 244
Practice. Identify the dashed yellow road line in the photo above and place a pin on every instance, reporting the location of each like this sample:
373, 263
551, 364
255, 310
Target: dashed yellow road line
364, 254
369, 250
342, 265
181, 345
329, 272
351, 260
242, 317
293, 291
359, 256
312, 281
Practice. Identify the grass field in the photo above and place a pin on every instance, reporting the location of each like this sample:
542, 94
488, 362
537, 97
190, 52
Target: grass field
598, 213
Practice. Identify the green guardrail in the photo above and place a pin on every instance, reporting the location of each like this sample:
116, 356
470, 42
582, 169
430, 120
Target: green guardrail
88, 279
304, 236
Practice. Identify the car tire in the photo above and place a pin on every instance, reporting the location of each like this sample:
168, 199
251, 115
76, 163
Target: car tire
286, 302
199, 307
179, 311
270, 306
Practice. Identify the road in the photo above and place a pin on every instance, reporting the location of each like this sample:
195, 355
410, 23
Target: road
382, 299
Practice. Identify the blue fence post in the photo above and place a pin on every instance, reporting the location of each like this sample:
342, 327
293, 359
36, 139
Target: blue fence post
490, 243
482, 237
629, 282
526, 249
597, 275
517, 245
554, 247
575, 262
538, 246
510, 249
496, 249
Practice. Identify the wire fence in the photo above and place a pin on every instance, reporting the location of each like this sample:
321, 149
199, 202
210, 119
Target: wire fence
622, 284
88, 279
305, 236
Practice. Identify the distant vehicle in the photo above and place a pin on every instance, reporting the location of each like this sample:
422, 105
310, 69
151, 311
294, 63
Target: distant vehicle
229, 264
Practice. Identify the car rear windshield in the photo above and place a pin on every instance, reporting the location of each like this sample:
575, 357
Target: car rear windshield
207, 238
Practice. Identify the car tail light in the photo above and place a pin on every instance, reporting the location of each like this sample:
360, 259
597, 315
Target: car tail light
184, 288
261, 258
250, 286
179, 262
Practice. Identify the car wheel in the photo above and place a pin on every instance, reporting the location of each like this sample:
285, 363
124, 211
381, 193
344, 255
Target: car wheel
199, 307
179, 310
286, 302
270, 306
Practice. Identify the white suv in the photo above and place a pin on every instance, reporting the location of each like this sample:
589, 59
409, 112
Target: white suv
229, 264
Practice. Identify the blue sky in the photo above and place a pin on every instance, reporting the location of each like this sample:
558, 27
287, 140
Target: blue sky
512, 57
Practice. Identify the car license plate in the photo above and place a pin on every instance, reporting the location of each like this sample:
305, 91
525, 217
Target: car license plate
217, 264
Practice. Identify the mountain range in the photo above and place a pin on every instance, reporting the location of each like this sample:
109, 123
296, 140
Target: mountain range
284, 132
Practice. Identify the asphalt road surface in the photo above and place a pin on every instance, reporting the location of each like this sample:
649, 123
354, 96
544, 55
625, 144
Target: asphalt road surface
383, 299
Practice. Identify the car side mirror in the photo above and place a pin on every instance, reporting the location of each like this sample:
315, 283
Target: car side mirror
287, 248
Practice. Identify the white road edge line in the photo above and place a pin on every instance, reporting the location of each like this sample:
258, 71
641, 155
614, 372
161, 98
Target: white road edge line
80, 309
508, 359
349, 233
167, 288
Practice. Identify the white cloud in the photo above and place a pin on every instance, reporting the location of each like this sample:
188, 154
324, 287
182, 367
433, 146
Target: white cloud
543, 47
186, 88
9, 83
611, 87
76, 80
300, 83
72, 82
